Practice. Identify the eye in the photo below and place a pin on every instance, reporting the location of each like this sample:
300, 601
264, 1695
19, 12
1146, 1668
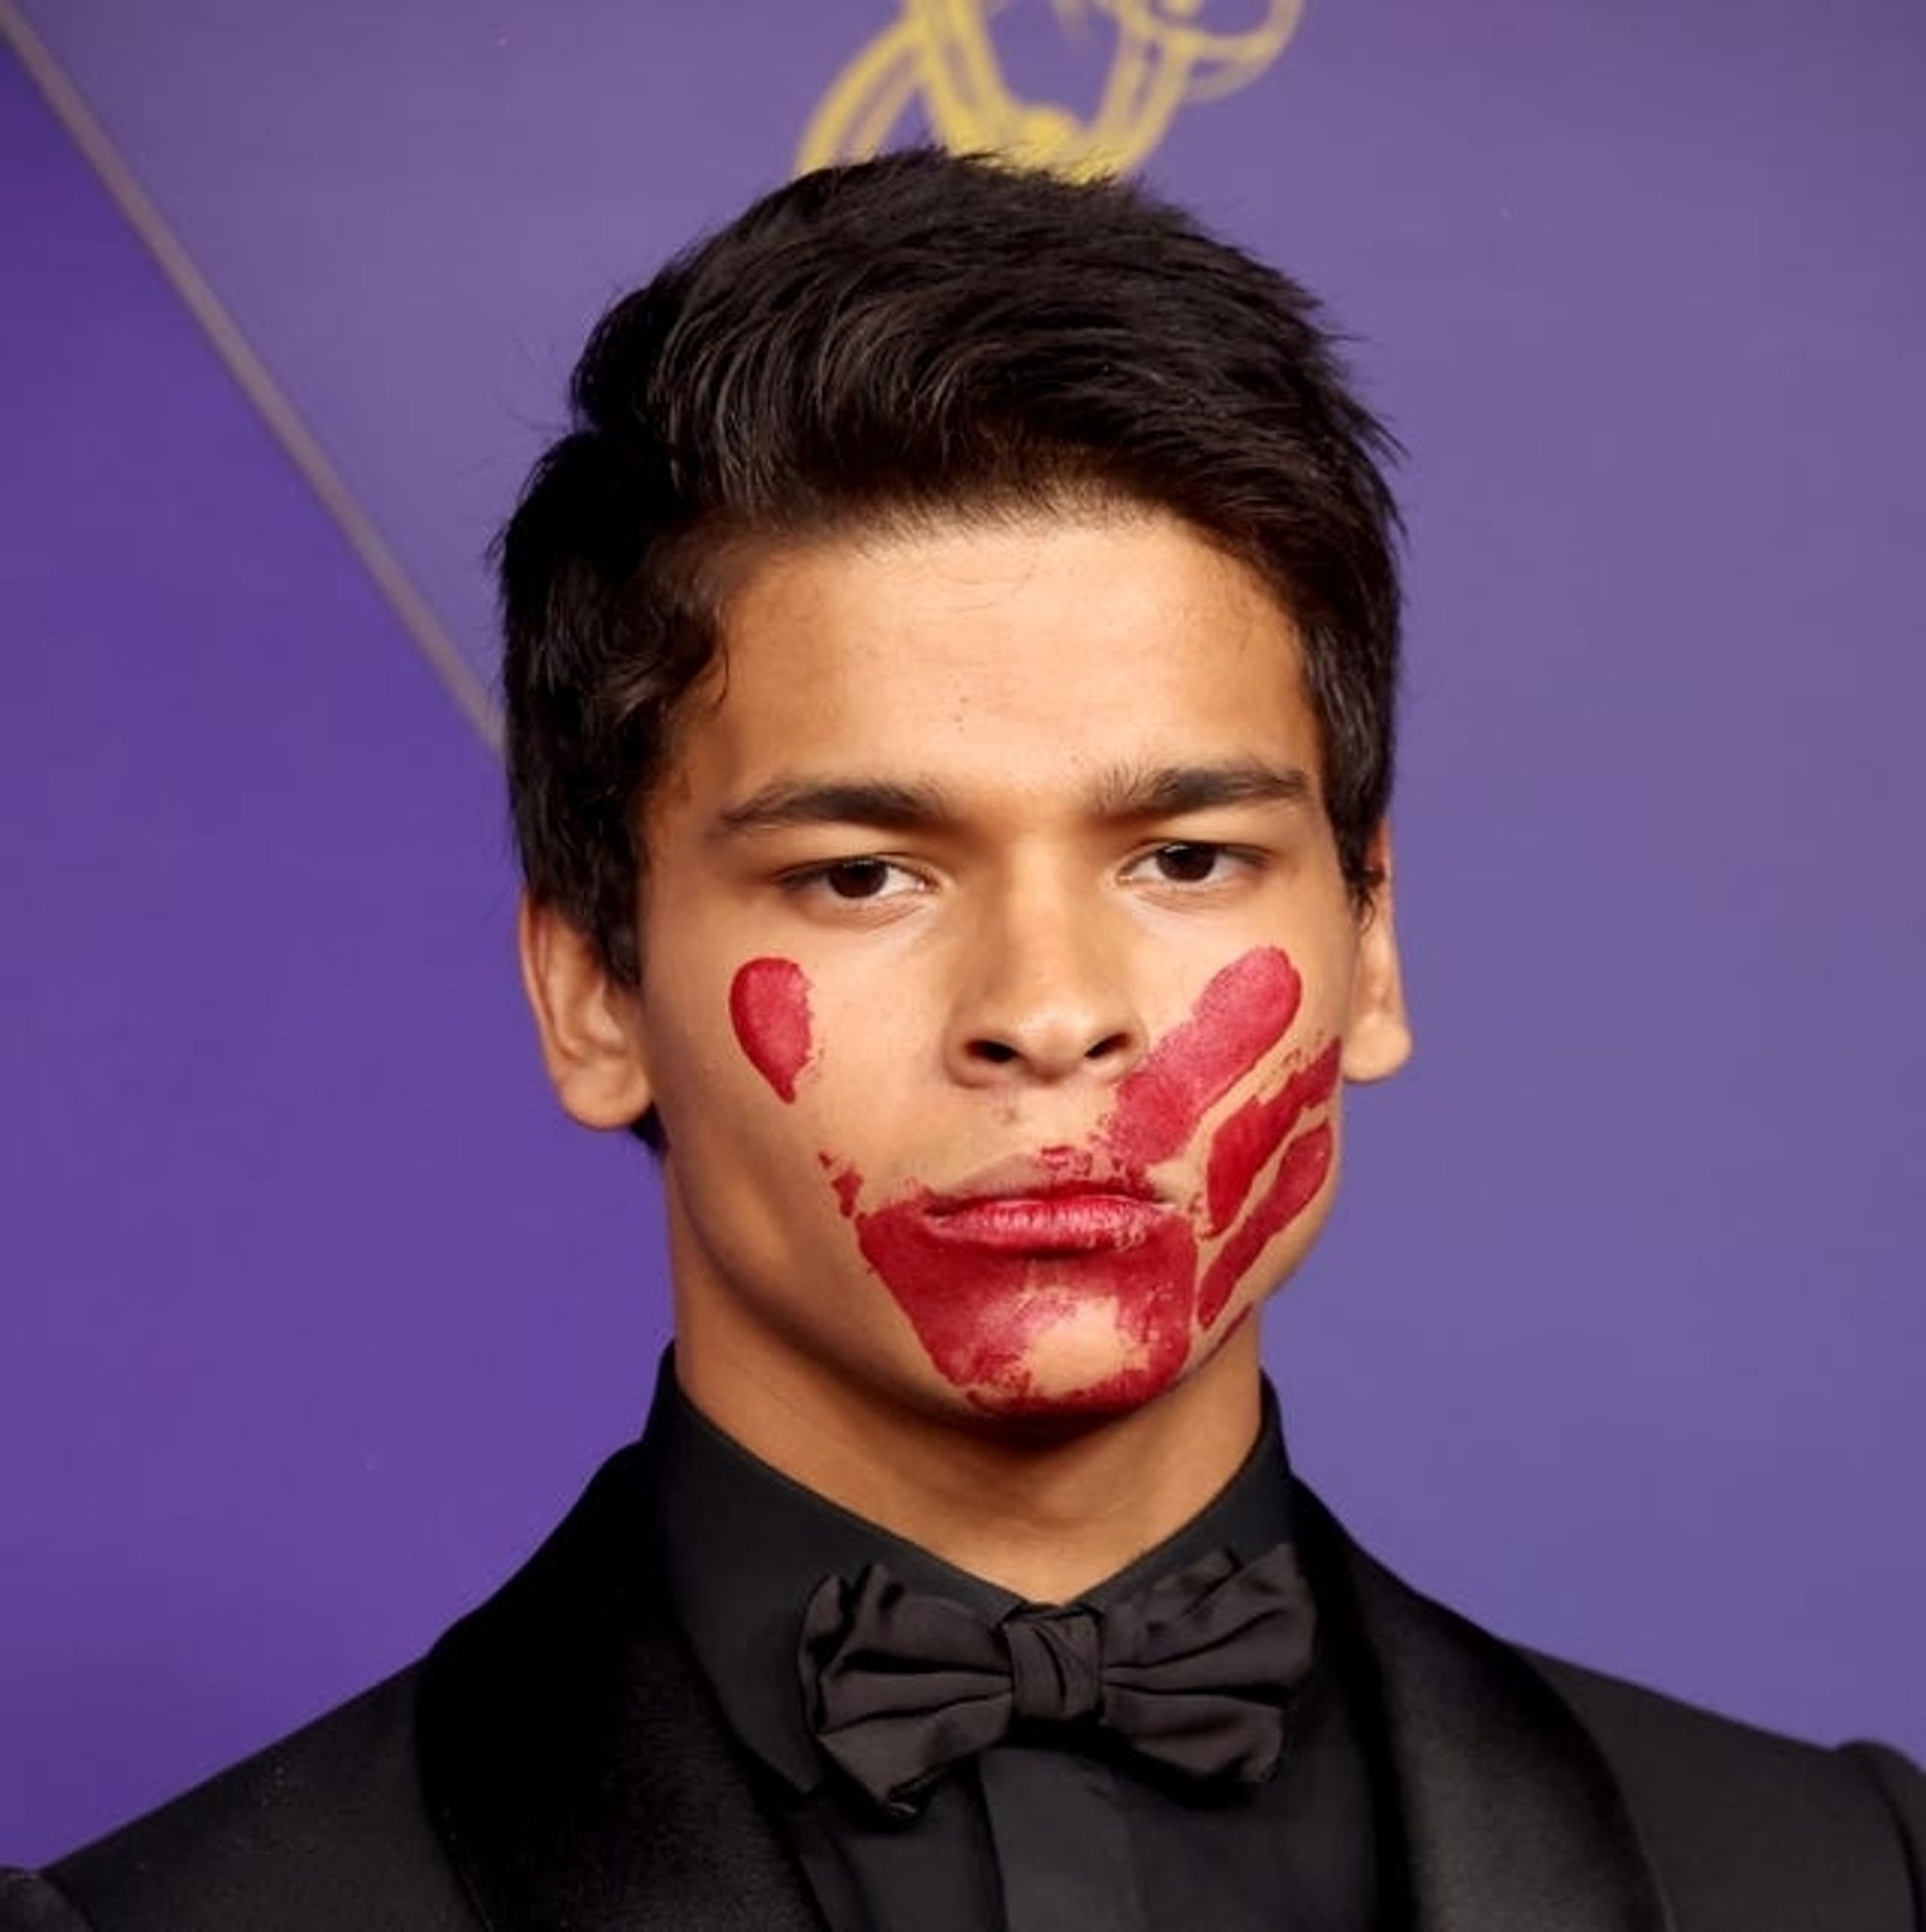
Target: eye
856, 878
1189, 863
854, 881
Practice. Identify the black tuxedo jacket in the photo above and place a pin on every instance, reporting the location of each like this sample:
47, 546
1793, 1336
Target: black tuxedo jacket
557, 1761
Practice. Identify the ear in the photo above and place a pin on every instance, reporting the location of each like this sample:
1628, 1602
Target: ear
585, 1021
1377, 1034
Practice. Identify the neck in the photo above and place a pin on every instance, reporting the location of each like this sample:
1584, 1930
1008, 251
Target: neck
1044, 1512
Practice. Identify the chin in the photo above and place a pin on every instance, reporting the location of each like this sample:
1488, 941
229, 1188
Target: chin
1079, 1369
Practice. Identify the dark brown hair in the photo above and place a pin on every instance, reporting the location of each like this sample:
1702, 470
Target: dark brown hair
910, 337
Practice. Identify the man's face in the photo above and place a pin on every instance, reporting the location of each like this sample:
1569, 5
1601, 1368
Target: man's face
998, 971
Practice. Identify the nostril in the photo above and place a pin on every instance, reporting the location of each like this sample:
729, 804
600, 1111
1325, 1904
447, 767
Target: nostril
999, 1053
1111, 1043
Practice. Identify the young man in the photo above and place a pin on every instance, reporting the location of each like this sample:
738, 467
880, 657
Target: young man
951, 671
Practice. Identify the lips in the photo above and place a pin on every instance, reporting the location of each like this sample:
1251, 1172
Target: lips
1052, 1203
1055, 1224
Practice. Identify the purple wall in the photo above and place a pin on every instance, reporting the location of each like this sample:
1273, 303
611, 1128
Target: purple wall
315, 1312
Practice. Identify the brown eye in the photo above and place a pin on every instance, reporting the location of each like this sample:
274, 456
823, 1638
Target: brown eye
856, 878
1186, 864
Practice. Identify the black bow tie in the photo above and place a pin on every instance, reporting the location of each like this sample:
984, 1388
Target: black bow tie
1192, 1674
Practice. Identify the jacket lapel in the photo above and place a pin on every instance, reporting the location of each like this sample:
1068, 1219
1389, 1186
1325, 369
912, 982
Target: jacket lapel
1512, 1819
574, 1760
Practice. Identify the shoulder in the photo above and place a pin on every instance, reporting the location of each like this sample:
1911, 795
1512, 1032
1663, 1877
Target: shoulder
1535, 1782
1729, 1813
28, 1903
329, 1821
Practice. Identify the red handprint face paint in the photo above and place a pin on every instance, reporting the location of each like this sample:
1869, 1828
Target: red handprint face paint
769, 1008
1082, 1247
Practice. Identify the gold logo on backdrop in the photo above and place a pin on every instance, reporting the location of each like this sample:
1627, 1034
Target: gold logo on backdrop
940, 56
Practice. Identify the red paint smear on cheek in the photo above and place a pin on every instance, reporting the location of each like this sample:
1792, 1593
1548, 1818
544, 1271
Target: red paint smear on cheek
979, 1316
769, 1008
846, 1181
1249, 1140
1245, 1010
1299, 1176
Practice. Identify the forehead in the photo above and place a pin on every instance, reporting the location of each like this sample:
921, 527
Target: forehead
1029, 650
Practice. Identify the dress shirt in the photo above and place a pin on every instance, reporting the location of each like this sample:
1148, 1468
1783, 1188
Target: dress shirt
1030, 1835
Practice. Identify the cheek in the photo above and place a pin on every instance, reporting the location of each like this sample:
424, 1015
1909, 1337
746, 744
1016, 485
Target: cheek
769, 1008
1302, 1169
1253, 1136
1240, 1016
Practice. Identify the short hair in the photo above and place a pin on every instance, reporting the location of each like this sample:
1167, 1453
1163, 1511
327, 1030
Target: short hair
901, 340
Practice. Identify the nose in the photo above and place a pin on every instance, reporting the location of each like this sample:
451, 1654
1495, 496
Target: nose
1043, 997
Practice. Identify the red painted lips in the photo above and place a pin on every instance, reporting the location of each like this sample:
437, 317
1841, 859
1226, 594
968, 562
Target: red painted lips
1070, 1223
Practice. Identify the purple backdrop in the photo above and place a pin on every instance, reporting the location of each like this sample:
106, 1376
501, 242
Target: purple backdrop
315, 1312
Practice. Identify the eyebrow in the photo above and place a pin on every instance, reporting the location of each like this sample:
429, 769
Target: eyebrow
1160, 791
890, 805
1165, 791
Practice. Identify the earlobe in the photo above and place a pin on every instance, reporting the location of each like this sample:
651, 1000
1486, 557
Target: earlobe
583, 1020
1378, 1033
